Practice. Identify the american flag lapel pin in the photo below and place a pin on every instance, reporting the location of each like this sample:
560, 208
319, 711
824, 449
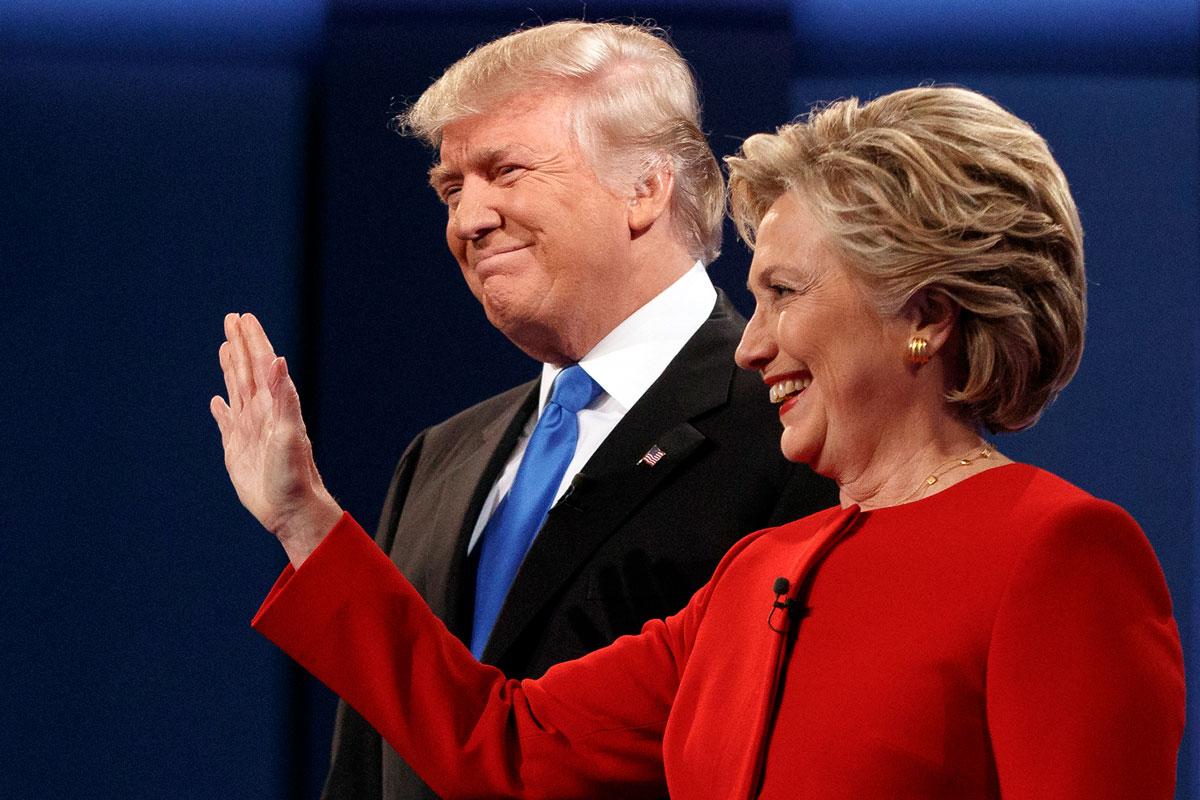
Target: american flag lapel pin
653, 456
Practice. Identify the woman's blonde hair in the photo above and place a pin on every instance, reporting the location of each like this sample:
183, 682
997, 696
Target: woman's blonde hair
941, 189
637, 109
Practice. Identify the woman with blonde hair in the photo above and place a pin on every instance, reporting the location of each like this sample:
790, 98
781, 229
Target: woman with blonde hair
961, 626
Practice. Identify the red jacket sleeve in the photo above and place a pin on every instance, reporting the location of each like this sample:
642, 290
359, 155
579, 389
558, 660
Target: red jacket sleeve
1085, 688
587, 728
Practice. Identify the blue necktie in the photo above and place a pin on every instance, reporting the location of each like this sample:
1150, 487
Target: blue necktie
517, 518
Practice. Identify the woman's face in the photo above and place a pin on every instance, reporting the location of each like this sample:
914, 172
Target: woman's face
835, 367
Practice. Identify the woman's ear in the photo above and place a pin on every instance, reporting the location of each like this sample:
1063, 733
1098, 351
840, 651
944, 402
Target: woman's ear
933, 316
650, 199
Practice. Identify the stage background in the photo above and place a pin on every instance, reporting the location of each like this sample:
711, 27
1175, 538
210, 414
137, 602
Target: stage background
162, 163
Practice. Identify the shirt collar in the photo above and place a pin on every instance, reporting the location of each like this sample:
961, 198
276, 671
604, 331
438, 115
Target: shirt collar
632, 356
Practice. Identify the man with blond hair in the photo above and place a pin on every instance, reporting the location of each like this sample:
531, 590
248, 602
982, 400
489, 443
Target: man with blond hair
583, 204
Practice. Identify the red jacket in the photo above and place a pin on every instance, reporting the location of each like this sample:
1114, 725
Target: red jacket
1008, 637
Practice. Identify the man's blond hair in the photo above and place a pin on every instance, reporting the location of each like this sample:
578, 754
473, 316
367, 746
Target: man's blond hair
636, 110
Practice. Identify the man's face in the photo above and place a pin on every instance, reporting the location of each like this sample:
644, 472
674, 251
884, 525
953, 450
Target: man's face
542, 244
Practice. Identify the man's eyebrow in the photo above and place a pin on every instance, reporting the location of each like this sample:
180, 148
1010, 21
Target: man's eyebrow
440, 174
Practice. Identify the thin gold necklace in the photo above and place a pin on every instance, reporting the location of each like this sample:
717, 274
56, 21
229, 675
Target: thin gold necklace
974, 454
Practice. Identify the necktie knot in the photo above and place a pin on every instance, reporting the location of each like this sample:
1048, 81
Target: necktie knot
574, 389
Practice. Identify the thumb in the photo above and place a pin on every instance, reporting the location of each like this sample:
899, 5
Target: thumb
284, 394
277, 372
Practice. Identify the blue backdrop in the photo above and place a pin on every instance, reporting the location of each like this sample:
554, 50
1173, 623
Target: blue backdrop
164, 162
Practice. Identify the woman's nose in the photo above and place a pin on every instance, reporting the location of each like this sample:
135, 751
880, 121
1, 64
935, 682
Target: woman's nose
757, 347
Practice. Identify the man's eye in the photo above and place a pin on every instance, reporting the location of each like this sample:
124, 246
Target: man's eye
450, 195
779, 290
508, 169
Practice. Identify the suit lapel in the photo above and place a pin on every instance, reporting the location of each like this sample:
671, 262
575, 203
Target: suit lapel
619, 476
465, 477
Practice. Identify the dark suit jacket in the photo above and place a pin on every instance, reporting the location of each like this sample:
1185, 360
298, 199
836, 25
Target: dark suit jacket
628, 541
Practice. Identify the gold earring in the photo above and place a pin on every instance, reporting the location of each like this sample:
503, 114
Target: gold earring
918, 350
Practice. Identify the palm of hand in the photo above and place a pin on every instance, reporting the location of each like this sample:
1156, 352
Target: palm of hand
267, 451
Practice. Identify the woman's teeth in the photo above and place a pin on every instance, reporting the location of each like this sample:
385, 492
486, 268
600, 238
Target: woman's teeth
784, 389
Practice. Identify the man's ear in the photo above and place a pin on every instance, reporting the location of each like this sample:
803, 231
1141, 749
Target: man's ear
651, 199
933, 316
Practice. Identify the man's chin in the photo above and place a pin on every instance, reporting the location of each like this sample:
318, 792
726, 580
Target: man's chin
537, 339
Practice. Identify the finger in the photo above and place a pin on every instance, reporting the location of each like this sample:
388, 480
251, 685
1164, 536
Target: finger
278, 371
286, 399
262, 354
226, 356
220, 412
240, 358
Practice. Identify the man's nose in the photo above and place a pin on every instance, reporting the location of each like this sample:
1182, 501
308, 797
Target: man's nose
757, 347
475, 213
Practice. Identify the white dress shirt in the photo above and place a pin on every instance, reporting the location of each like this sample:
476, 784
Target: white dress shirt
625, 363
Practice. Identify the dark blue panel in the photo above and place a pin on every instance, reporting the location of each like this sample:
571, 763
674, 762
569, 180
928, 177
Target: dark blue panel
205, 30
1124, 429
1018, 36
138, 206
1192, 756
736, 12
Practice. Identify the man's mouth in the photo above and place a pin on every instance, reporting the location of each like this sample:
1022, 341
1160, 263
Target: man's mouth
488, 261
790, 387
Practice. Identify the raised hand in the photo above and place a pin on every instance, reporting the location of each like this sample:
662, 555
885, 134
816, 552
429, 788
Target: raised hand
267, 451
